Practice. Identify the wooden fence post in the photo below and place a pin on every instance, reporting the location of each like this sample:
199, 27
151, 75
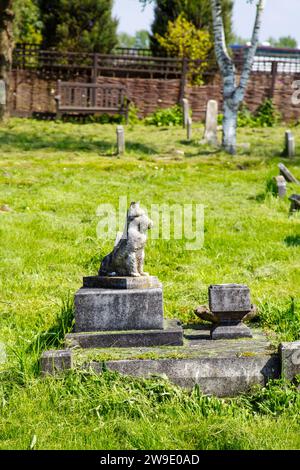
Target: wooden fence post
183, 79
273, 80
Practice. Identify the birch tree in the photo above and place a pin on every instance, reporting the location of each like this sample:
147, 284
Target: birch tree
233, 93
6, 47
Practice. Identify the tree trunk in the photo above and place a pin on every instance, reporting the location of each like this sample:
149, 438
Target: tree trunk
6, 48
229, 126
233, 93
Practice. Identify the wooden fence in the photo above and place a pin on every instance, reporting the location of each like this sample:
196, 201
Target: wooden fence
151, 82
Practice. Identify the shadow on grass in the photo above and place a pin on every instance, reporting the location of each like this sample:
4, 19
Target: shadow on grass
54, 337
292, 240
59, 141
25, 358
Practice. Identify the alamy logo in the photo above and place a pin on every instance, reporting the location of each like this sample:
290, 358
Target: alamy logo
177, 221
296, 358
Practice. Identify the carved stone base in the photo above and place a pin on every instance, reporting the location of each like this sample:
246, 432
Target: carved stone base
230, 331
121, 282
103, 309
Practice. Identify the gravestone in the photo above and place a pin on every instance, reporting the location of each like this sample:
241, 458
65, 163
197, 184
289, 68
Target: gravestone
211, 123
123, 305
189, 130
229, 305
56, 361
295, 202
290, 359
186, 112
280, 183
287, 174
289, 150
120, 140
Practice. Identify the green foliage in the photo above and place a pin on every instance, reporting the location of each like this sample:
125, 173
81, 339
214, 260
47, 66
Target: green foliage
184, 40
54, 337
27, 23
166, 117
284, 318
76, 25
245, 117
197, 12
271, 186
276, 398
236, 39
284, 42
266, 115
140, 40
133, 114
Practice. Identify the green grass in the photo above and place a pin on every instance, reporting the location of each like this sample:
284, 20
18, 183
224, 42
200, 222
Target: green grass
54, 176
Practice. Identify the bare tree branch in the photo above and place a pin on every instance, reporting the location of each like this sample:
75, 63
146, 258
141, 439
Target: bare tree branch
223, 58
247, 67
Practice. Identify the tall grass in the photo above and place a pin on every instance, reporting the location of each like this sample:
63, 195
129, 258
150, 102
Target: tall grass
53, 176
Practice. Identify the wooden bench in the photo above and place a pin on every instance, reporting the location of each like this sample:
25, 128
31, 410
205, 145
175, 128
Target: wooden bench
90, 98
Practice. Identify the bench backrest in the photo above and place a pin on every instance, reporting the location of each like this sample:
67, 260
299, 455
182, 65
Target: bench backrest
89, 95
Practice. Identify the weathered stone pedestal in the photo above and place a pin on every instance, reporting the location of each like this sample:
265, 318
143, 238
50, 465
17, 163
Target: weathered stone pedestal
122, 312
229, 304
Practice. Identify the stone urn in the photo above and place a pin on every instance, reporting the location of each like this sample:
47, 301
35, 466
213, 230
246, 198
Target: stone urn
229, 304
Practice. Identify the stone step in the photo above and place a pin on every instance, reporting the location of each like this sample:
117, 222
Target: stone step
171, 335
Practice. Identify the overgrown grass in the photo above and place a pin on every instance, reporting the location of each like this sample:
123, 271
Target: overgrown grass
53, 176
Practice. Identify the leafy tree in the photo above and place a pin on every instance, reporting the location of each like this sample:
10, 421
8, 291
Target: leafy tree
285, 41
126, 40
142, 39
6, 47
197, 12
238, 40
78, 25
27, 23
139, 40
233, 92
183, 39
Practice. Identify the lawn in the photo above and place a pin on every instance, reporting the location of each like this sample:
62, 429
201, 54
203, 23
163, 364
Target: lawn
53, 177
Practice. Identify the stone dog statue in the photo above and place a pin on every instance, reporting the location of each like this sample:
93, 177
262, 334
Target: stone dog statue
127, 257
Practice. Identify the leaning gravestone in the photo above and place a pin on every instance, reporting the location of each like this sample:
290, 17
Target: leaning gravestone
287, 174
211, 123
123, 305
295, 202
120, 140
289, 150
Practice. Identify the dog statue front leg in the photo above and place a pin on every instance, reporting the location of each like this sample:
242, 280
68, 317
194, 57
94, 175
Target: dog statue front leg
133, 266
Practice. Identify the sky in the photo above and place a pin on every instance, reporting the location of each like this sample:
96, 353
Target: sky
280, 18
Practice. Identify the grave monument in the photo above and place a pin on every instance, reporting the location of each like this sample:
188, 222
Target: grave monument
211, 123
123, 306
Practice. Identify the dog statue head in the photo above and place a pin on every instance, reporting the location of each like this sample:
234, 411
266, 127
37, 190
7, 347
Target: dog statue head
137, 216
